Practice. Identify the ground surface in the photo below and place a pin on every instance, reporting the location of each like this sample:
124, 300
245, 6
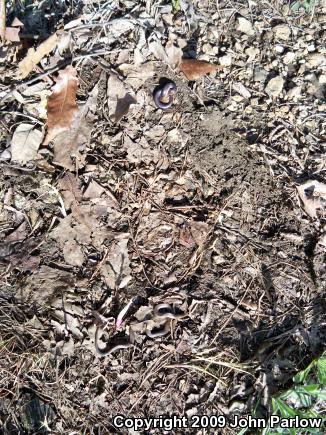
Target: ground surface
197, 206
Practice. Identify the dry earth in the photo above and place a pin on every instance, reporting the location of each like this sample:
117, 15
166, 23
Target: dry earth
216, 206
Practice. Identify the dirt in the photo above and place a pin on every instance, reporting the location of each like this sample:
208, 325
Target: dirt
195, 206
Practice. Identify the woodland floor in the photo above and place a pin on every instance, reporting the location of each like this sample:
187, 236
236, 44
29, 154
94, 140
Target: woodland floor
216, 206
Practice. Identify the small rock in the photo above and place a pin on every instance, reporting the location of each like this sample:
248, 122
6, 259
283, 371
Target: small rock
294, 93
226, 60
241, 89
260, 74
289, 57
322, 79
316, 59
5, 155
245, 26
275, 86
311, 48
279, 48
252, 52
282, 31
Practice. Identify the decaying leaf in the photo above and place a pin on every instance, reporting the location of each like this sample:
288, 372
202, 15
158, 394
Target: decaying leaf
62, 104
313, 196
119, 100
33, 56
25, 143
174, 54
12, 34
67, 125
193, 69
116, 270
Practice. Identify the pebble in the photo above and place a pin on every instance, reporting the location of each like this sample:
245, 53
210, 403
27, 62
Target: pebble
282, 31
289, 57
245, 26
226, 60
316, 59
279, 48
294, 93
260, 74
322, 79
275, 86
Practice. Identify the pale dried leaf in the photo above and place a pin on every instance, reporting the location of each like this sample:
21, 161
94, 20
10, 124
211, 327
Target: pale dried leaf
194, 69
313, 196
116, 270
119, 100
73, 253
33, 56
25, 143
174, 55
69, 187
17, 23
12, 34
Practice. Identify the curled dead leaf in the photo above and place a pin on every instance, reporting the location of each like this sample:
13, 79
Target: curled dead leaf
193, 69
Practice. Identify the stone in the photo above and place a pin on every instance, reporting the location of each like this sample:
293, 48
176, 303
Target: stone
275, 86
245, 26
282, 31
295, 93
316, 59
289, 57
226, 60
279, 48
260, 74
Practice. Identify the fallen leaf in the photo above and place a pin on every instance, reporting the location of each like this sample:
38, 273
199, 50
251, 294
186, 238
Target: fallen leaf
193, 69
68, 127
69, 187
33, 56
174, 54
12, 34
313, 196
116, 270
62, 104
119, 100
25, 143
17, 23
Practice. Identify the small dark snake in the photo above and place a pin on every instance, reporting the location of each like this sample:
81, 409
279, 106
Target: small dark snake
164, 96
161, 311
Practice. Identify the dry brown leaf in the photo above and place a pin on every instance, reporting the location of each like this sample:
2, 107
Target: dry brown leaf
67, 125
33, 56
193, 69
62, 104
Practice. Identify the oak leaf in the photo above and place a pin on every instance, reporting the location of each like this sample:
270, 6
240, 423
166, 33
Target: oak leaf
62, 105
33, 56
68, 127
193, 69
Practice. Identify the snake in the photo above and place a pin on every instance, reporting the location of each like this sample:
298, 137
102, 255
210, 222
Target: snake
163, 96
161, 311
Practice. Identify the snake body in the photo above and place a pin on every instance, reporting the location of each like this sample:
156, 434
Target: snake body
163, 96
161, 311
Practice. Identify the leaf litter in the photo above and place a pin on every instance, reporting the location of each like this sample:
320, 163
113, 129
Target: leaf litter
122, 207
